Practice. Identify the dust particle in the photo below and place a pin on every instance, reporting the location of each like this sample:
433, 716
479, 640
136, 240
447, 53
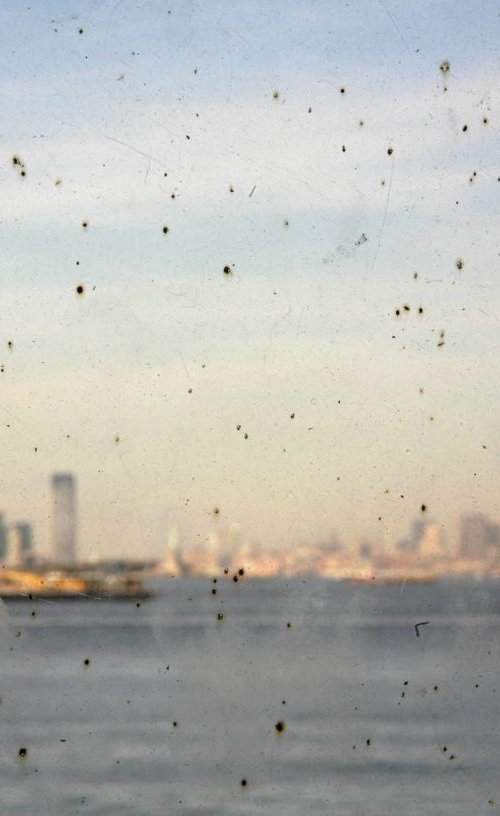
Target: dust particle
18, 163
280, 727
444, 67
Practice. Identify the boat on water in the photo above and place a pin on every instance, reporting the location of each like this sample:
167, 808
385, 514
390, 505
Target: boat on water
23, 585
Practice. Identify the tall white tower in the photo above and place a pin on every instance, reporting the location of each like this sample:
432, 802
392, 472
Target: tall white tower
64, 518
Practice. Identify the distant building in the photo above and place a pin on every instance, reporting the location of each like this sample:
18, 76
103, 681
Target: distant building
493, 537
3, 539
474, 535
14, 555
20, 545
417, 533
431, 544
411, 544
365, 550
64, 518
26, 534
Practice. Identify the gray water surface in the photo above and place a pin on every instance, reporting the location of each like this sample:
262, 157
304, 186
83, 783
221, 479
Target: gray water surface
176, 707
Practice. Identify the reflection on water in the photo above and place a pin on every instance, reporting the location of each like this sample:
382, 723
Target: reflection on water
317, 694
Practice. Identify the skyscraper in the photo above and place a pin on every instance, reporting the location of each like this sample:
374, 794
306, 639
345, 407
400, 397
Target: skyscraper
473, 535
64, 518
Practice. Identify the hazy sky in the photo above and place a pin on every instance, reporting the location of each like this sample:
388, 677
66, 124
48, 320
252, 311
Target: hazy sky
138, 386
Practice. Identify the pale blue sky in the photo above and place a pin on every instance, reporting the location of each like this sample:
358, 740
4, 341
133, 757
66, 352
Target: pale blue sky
306, 320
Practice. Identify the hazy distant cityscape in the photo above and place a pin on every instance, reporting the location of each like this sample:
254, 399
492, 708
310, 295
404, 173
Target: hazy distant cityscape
424, 553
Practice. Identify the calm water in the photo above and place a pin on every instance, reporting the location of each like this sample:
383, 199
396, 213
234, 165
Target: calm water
373, 714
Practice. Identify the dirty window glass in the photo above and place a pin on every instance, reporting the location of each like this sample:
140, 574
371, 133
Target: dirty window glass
249, 329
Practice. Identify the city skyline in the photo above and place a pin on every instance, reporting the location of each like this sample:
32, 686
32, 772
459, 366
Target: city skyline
476, 539
350, 197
